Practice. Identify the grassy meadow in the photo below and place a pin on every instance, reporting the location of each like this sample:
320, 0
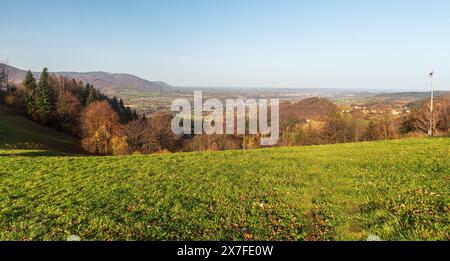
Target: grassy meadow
17, 132
397, 190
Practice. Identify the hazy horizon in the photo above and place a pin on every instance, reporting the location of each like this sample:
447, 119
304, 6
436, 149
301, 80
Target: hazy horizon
356, 89
285, 44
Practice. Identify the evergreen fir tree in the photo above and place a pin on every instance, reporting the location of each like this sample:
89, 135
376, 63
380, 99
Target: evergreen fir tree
44, 97
30, 93
122, 111
115, 104
84, 93
128, 115
92, 95
122, 106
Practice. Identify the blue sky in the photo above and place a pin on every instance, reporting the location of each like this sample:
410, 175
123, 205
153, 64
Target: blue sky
377, 44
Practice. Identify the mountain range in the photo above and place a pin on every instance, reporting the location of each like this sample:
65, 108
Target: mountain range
108, 83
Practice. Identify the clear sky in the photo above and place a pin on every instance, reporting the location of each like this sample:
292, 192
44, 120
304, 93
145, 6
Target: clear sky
381, 44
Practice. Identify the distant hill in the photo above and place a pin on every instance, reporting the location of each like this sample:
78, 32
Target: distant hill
108, 83
312, 108
401, 97
17, 132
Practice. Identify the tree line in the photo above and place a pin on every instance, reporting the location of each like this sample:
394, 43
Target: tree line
107, 127
58, 102
337, 127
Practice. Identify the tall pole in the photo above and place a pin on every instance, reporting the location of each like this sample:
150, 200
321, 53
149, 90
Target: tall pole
430, 132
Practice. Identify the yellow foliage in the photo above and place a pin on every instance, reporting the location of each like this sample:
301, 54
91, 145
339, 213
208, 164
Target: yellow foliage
120, 146
164, 151
9, 99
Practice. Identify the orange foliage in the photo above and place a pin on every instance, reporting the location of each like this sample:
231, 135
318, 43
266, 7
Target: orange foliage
100, 124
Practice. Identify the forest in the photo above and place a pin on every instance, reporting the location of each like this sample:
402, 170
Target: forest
106, 126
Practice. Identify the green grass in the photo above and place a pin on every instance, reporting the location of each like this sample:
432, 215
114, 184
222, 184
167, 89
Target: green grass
17, 132
397, 190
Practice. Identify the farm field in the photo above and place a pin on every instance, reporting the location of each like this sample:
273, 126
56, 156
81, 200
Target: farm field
396, 190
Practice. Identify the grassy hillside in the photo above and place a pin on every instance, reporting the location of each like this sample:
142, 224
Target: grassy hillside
17, 132
398, 190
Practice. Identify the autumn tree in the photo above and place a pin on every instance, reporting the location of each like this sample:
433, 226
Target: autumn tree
120, 146
311, 136
251, 142
68, 109
204, 142
419, 118
100, 124
372, 132
293, 135
137, 134
67, 106
7, 88
10, 94
387, 127
442, 113
159, 135
3, 82
337, 129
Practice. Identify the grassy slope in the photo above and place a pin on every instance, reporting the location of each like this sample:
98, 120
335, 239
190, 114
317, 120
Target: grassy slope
398, 190
17, 132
